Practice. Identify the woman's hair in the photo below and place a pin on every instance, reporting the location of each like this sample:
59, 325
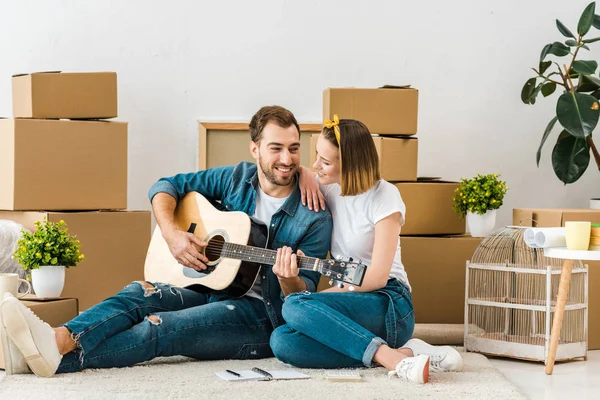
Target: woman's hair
358, 157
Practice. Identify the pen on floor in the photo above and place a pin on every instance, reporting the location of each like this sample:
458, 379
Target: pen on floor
233, 373
263, 373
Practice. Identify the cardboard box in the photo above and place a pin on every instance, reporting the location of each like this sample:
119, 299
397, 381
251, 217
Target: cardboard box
550, 217
429, 208
436, 271
398, 157
83, 95
114, 243
62, 165
383, 111
53, 311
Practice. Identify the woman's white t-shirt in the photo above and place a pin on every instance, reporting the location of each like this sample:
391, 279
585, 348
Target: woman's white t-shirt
354, 219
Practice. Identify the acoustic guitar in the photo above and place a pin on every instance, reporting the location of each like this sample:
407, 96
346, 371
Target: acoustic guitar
235, 250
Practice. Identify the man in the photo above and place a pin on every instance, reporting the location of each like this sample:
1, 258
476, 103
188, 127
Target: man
146, 320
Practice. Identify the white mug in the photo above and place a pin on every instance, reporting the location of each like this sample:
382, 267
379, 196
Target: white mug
10, 283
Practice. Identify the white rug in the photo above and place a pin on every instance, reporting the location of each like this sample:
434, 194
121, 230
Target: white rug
182, 378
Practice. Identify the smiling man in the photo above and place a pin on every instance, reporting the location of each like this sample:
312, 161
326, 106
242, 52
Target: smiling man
150, 319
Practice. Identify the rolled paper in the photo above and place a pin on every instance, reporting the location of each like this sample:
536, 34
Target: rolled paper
540, 238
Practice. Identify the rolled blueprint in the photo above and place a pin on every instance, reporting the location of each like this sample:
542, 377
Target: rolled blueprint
545, 237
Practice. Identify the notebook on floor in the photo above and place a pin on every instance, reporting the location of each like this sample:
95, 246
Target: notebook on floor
249, 375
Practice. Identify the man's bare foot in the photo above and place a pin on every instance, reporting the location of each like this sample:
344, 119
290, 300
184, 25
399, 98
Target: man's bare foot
64, 341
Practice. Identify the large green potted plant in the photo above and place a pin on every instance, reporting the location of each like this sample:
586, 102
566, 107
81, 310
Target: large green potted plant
45, 253
563, 65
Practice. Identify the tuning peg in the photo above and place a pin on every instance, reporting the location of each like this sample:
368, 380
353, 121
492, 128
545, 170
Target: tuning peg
340, 284
351, 288
331, 282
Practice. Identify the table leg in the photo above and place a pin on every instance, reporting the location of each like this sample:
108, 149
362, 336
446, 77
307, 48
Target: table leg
561, 300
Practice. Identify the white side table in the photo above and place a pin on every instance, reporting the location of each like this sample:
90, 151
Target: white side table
563, 292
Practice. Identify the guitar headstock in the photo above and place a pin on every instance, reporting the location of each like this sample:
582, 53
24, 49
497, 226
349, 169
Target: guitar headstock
343, 270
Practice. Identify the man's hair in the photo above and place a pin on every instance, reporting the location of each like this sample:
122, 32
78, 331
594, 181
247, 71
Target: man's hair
275, 114
360, 166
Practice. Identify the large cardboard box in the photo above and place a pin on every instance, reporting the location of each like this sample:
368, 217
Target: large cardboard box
383, 111
549, 217
429, 208
84, 95
53, 311
398, 157
62, 165
436, 271
115, 244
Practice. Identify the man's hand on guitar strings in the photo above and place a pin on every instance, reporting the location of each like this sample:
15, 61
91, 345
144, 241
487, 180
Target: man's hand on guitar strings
183, 247
286, 263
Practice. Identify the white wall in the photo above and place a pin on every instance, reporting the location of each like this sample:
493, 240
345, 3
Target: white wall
183, 61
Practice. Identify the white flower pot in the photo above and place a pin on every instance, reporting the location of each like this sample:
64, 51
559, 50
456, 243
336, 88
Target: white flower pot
481, 225
595, 204
48, 280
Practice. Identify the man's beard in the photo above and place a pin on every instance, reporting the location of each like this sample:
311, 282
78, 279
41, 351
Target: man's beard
271, 176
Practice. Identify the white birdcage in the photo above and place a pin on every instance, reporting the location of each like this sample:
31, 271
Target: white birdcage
510, 301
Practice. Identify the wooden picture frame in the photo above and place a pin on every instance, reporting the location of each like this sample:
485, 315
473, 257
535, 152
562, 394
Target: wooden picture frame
227, 143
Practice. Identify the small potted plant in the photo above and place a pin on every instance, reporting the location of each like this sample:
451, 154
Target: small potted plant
45, 253
478, 199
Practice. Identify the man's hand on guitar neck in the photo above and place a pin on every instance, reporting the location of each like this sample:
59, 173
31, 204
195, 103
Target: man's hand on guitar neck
286, 270
181, 244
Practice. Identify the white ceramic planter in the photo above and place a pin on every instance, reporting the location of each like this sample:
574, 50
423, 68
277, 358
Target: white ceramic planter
595, 203
48, 280
481, 225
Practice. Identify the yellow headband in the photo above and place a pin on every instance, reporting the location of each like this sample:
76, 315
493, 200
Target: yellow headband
335, 124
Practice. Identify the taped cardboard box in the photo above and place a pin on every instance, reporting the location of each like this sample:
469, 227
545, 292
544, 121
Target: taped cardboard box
398, 157
62, 165
429, 208
115, 244
53, 311
383, 111
436, 271
552, 217
80, 95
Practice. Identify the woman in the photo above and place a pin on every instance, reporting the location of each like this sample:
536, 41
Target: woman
357, 326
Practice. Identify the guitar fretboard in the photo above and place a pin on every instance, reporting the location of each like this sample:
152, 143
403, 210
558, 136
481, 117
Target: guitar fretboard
263, 256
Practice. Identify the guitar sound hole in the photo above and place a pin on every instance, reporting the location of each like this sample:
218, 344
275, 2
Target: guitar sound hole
214, 247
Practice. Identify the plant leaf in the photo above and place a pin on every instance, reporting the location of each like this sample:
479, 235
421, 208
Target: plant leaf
570, 157
585, 47
587, 19
591, 40
559, 49
585, 67
528, 90
596, 22
571, 42
564, 30
551, 124
578, 113
548, 88
545, 51
544, 66
588, 83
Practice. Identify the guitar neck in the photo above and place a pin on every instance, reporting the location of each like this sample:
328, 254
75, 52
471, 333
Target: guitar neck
263, 256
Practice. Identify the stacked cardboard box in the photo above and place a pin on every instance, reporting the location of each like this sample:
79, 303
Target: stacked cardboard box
435, 248
552, 217
59, 161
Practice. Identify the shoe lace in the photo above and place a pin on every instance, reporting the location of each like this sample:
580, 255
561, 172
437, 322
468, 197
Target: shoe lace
435, 361
401, 370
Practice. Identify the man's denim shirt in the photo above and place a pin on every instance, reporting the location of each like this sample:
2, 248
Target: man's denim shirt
293, 225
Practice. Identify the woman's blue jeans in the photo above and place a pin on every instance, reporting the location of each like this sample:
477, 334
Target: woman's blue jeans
119, 332
337, 330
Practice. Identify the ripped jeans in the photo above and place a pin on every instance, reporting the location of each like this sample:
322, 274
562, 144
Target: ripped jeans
139, 324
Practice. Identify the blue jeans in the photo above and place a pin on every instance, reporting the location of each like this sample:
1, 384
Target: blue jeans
118, 332
340, 330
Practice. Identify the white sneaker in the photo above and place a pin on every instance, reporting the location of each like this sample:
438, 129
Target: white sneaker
413, 369
33, 338
14, 362
442, 358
